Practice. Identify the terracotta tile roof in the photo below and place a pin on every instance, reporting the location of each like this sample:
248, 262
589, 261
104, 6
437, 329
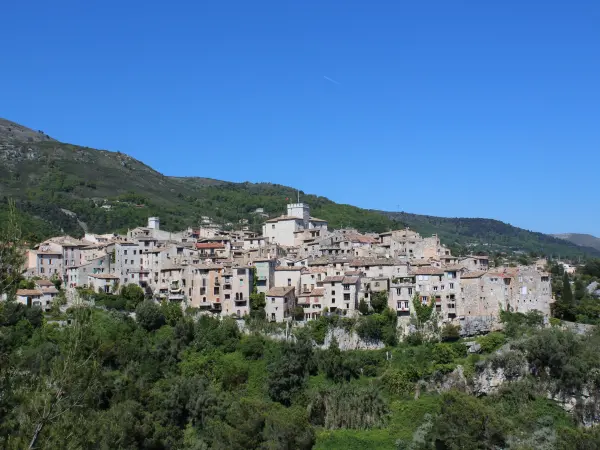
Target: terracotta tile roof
282, 218
317, 292
289, 268
427, 271
29, 292
44, 283
280, 291
371, 262
476, 274
350, 273
317, 270
350, 280
419, 262
336, 279
104, 276
453, 267
202, 245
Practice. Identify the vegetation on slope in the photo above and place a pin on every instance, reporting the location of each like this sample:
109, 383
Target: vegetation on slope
109, 382
584, 240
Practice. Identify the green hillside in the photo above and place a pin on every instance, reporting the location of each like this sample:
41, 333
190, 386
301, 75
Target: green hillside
585, 240
67, 188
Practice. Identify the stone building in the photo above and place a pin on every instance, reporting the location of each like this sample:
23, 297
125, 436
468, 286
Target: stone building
281, 301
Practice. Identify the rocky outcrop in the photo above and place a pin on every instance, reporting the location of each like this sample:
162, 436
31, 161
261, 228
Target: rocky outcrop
349, 340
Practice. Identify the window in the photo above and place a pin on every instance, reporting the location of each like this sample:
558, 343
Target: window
410, 291
332, 292
124, 252
442, 287
377, 284
347, 297
273, 226
406, 305
216, 291
399, 291
289, 281
272, 300
346, 287
451, 285
134, 252
435, 288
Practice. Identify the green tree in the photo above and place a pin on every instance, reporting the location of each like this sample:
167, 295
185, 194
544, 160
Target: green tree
565, 306
257, 305
133, 295
336, 366
149, 315
172, 312
363, 308
298, 313
288, 372
423, 311
379, 301
12, 256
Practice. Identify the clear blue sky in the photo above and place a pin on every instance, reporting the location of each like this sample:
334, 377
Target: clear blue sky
453, 108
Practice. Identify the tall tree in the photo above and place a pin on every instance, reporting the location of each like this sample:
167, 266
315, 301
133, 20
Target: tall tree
11, 253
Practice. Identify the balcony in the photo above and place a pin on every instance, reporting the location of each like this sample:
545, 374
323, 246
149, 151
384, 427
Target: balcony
241, 302
176, 297
227, 287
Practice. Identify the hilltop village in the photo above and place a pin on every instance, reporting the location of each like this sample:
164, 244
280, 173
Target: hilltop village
296, 262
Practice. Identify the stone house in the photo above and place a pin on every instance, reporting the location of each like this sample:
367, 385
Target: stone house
237, 287
312, 303
289, 277
77, 276
265, 274
103, 282
281, 301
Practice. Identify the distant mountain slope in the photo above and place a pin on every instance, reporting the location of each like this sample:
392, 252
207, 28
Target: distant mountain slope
111, 191
585, 240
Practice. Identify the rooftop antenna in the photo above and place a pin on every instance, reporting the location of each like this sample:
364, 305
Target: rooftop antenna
298, 195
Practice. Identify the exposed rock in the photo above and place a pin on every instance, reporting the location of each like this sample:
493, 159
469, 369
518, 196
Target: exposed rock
473, 347
350, 340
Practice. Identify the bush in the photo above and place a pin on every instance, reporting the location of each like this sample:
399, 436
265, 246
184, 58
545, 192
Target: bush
450, 333
379, 327
253, 347
443, 354
491, 342
318, 329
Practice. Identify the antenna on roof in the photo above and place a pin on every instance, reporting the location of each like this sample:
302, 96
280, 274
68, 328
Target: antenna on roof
298, 195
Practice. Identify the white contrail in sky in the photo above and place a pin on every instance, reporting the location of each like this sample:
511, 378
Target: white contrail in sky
329, 79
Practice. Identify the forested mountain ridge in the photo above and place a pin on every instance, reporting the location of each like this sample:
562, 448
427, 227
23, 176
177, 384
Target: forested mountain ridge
584, 240
111, 191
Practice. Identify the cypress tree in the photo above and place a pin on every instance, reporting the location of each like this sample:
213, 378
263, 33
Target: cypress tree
567, 295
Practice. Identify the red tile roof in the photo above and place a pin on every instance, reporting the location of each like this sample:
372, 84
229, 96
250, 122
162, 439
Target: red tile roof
202, 245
